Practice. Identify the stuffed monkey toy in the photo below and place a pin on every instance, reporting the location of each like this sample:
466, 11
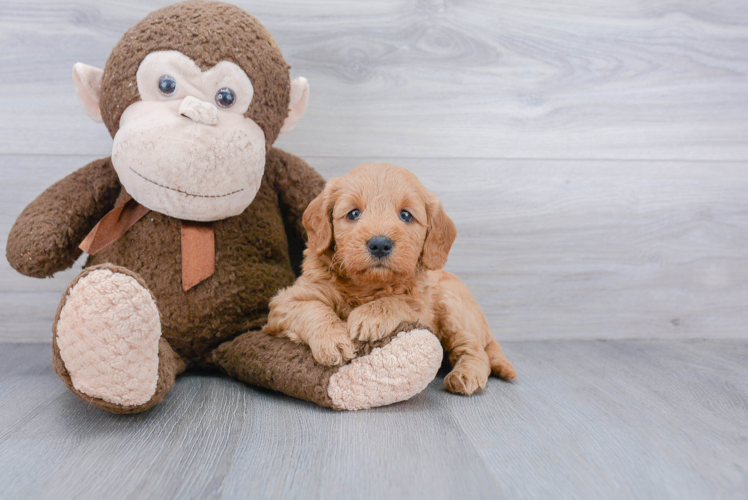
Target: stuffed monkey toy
192, 225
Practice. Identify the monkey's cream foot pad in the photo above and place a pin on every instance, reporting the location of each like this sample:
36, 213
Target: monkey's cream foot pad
393, 373
108, 333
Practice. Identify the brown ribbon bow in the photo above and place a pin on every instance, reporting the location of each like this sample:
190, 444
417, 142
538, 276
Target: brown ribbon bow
198, 241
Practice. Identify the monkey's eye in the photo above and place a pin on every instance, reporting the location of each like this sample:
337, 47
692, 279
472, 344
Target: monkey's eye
225, 98
167, 85
405, 216
354, 214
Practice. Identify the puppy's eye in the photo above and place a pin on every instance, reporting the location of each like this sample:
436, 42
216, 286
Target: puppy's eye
167, 85
225, 98
354, 214
405, 216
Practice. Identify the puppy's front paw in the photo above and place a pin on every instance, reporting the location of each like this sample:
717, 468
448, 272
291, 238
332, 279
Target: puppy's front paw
332, 349
465, 379
367, 326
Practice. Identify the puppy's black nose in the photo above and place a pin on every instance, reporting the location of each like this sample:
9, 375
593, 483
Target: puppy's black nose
379, 246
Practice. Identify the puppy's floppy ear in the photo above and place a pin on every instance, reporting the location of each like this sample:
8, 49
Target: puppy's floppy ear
440, 235
318, 219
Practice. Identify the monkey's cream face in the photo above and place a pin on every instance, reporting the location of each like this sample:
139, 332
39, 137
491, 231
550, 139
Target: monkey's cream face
186, 149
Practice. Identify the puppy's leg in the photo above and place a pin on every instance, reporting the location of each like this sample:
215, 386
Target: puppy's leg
500, 366
299, 313
465, 335
471, 366
379, 318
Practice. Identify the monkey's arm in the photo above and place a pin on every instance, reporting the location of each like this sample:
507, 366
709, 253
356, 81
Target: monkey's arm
297, 184
45, 237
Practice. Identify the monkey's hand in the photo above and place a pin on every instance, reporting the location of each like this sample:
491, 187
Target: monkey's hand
379, 318
46, 235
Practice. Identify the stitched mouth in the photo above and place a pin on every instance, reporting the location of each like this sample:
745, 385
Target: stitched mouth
185, 192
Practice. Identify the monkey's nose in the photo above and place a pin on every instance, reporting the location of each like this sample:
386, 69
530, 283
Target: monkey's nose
379, 246
199, 111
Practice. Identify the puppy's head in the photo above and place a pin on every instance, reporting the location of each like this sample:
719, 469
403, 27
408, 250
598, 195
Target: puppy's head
378, 224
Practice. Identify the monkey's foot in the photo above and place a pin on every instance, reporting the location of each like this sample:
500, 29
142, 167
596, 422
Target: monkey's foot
107, 331
396, 372
387, 371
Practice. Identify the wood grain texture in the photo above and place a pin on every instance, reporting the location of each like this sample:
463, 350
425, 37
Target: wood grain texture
618, 419
663, 79
547, 129
551, 249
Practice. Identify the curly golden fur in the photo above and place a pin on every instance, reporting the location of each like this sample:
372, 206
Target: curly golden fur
347, 293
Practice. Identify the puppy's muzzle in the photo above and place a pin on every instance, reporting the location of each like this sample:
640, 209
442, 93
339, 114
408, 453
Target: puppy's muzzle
379, 246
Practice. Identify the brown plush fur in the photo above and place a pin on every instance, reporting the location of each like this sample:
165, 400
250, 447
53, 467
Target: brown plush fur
346, 294
278, 364
206, 32
252, 257
252, 263
45, 237
252, 249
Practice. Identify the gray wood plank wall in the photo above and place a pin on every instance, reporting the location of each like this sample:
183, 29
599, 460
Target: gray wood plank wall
592, 153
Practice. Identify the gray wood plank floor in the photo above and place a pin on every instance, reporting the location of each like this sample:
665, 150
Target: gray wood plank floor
586, 419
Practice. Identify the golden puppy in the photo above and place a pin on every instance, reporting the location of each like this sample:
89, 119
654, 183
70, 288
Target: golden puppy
377, 243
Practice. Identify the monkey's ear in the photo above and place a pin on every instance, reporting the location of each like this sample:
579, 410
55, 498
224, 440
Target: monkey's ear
317, 219
87, 80
297, 104
440, 236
